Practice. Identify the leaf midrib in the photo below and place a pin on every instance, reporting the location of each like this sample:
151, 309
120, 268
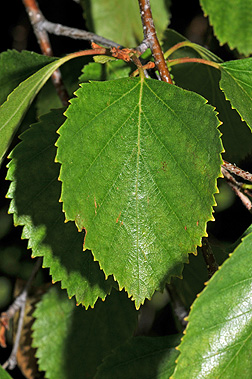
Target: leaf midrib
137, 176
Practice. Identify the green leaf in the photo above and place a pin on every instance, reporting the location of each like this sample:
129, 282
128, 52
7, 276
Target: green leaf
71, 342
103, 59
236, 138
140, 159
171, 38
106, 71
236, 83
4, 374
141, 357
231, 22
35, 191
204, 80
11, 73
195, 274
217, 342
47, 98
122, 22
19, 101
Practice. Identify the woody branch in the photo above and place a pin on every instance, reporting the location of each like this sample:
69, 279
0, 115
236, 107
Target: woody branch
36, 19
243, 191
150, 37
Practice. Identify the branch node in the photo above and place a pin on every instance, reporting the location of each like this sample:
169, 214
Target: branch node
144, 45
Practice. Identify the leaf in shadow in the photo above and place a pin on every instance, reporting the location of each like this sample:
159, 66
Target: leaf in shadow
35, 192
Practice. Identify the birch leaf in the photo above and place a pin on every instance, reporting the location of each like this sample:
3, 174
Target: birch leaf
231, 22
217, 342
77, 340
13, 110
35, 192
121, 22
236, 83
140, 159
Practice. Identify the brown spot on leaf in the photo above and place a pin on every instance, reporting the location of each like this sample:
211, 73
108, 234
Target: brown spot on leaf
118, 217
95, 204
164, 165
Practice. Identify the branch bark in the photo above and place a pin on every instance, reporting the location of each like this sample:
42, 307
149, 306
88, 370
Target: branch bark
18, 304
212, 265
36, 18
236, 186
66, 31
150, 36
238, 171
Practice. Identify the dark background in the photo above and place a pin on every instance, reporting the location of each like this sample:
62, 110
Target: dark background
16, 33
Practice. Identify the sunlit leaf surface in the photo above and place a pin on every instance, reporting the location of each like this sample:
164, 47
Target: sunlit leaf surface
217, 342
140, 159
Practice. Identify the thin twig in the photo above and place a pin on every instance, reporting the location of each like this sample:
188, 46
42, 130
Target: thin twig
147, 66
37, 19
236, 186
151, 37
238, 171
212, 265
18, 304
144, 45
61, 30
12, 360
177, 305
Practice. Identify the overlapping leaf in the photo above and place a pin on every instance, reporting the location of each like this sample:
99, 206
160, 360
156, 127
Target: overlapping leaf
191, 49
203, 79
122, 22
72, 342
4, 374
115, 69
143, 358
195, 275
236, 83
140, 159
218, 342
231, 22
19, 101
47, 98
35, 191
11, 73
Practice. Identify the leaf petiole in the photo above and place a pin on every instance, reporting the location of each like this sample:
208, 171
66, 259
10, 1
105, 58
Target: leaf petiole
176, 47
174, 62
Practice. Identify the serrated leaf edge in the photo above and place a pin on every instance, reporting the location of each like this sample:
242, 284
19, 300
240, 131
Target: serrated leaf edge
185, 258
200, 294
